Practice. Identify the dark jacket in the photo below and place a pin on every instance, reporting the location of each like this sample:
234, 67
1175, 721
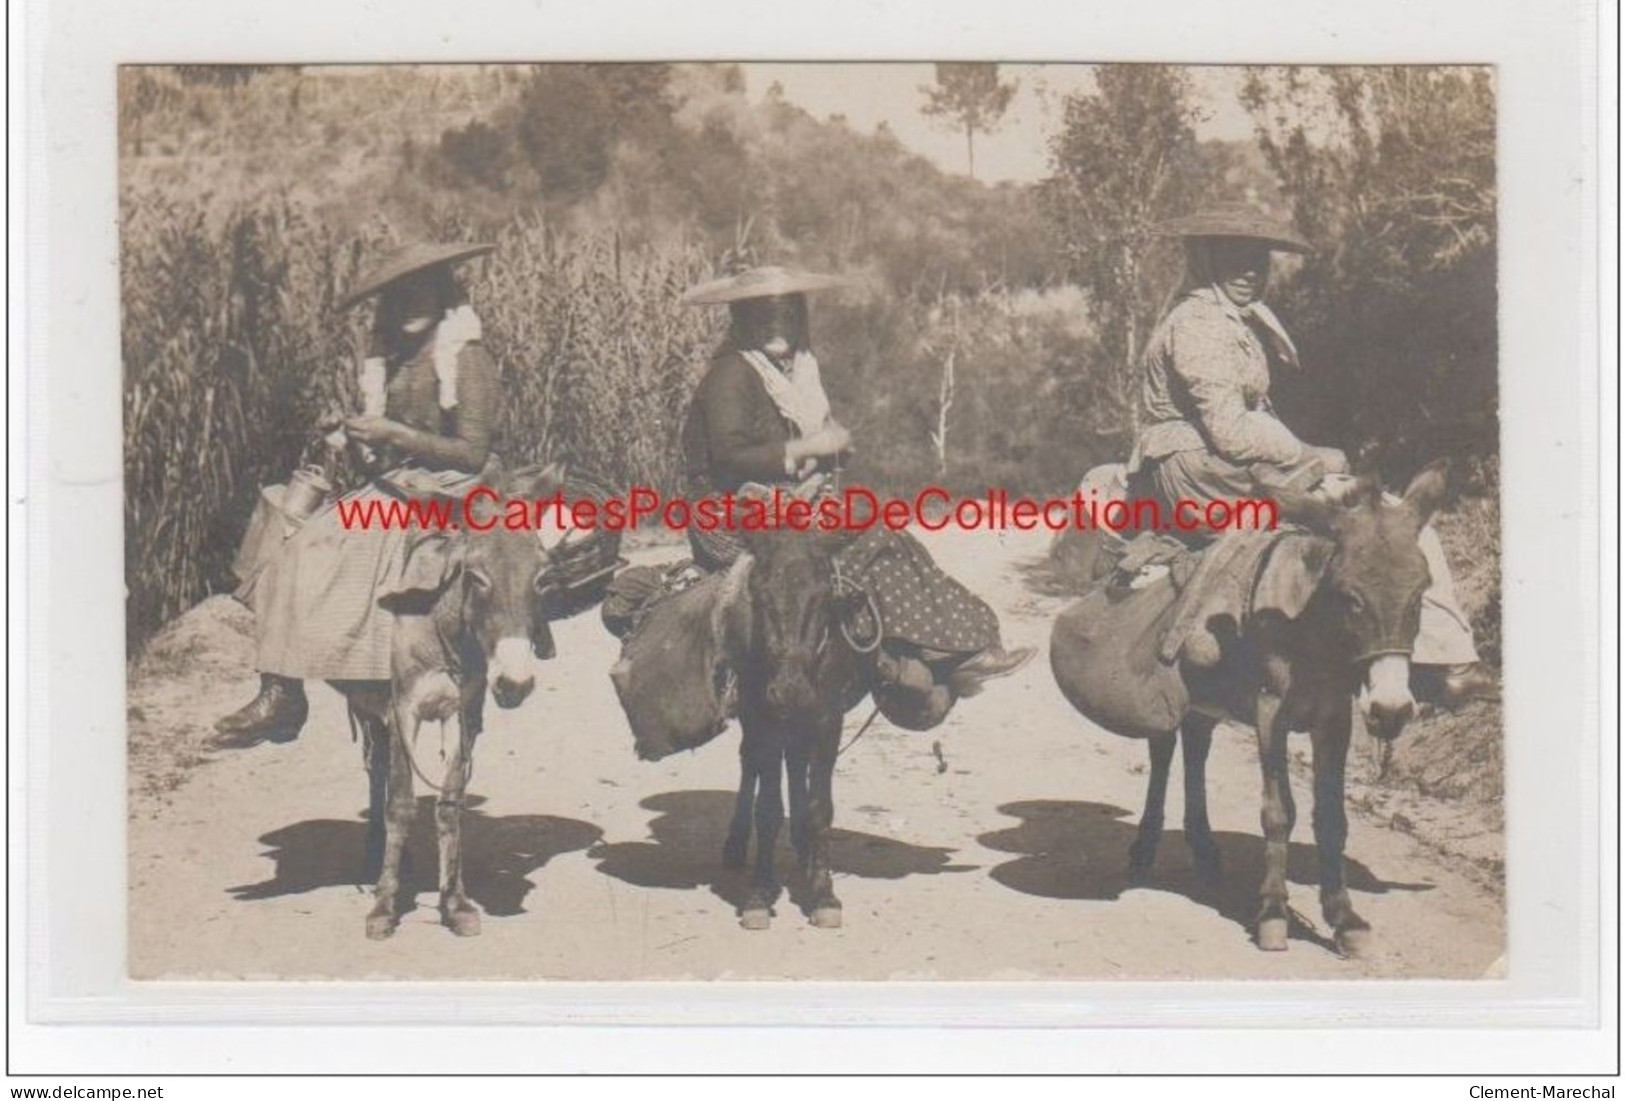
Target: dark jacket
734, 432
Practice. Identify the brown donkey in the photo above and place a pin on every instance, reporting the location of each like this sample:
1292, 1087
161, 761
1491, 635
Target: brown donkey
1333, 615
467, 619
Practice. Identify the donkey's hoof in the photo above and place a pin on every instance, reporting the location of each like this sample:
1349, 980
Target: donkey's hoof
826, 917
1354, 942
462, 920
756, 919
380, 926
1272, 934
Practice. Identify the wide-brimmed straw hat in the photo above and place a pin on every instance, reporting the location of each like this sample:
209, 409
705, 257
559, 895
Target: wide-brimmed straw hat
766, 282
1237, 220
408, 261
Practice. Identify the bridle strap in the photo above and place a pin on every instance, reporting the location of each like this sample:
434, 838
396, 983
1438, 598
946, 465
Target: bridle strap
843, 587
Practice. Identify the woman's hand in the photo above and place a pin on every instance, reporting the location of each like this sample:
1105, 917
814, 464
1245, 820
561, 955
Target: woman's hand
836, 438
829, 440
375, 431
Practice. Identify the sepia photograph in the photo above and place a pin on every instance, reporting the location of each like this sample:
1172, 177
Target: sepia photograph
822, 521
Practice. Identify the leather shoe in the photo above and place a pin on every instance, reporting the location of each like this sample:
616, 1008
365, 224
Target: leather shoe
985, 665
903, 671
275, 715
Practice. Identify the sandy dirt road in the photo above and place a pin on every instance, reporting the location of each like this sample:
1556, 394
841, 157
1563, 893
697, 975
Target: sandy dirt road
1003, 856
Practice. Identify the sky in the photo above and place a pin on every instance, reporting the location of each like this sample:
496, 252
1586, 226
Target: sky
868, 94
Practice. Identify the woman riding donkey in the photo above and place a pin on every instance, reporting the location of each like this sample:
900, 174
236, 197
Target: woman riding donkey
761, 420
1208, 432
430, 396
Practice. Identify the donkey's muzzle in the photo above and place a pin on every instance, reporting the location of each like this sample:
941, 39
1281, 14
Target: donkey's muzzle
1386, 697
791, 694
1387, 723
513, 675
511, 693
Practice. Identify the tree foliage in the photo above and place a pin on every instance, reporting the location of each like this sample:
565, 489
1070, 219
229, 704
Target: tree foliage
968, 94
1391, 174
571, 117
1125, 159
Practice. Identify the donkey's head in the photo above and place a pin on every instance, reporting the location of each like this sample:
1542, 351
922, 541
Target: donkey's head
481, 581
501, 568
794, 618
1364, 582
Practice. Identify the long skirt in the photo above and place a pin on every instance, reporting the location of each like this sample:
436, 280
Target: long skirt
1445, 635
314, 589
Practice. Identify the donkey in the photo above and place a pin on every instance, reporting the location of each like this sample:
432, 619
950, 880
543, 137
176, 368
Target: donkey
467, 618
1333, 614
798, 675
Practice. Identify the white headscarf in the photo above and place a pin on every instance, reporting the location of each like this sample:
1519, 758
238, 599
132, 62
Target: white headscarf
797, 391
460, 326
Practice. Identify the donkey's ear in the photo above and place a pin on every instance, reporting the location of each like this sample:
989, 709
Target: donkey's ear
1291, 576
1427, 490
1367, 491
1312, 510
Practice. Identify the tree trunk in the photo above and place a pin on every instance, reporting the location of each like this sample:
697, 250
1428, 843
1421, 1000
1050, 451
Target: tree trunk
970, 150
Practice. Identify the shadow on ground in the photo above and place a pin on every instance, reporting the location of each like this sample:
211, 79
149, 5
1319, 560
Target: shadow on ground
1080, 851
686, 853
498, 855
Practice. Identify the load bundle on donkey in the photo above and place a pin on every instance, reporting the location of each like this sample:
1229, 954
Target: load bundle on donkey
677, 676
673, 678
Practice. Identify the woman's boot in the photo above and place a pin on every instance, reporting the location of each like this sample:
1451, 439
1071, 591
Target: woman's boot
275, 715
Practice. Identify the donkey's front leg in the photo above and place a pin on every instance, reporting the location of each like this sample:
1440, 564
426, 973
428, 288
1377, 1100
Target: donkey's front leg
1196, 739
737, 845
796, 754
826, 908
385, 913
456, 912
1144, 849
765, 753
1277, 817
371, 713
1331, 746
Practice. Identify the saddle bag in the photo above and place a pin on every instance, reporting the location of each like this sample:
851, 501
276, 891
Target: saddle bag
673, 678
1105, 653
